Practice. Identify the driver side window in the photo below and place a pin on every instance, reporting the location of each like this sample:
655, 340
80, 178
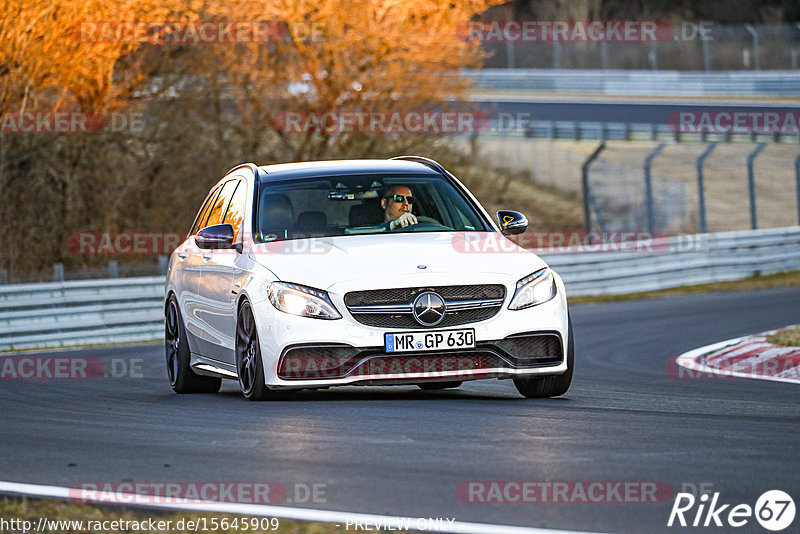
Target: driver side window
202, 215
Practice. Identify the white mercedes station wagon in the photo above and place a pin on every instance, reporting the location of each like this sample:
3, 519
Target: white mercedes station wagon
362, 272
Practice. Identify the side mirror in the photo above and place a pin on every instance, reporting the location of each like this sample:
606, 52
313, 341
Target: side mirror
512, 222
218, 236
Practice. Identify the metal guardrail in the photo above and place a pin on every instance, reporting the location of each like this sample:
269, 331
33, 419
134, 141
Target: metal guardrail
685, 260
57, 314
124, 310
639, 82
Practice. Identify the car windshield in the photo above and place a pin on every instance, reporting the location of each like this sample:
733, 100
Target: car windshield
350, 205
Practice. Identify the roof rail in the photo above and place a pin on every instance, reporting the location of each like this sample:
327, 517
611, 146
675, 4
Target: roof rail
252, 166
425, 161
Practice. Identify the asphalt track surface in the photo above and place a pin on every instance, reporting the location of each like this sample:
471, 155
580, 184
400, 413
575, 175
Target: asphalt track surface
401, 451
572, 109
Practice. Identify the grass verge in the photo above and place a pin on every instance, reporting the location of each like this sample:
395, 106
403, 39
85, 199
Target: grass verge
787, 279
788, 337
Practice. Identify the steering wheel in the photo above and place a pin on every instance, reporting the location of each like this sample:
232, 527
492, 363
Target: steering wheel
424, 224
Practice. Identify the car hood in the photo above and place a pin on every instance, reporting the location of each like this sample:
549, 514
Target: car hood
387, 260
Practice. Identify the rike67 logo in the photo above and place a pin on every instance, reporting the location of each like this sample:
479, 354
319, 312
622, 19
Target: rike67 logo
774, 510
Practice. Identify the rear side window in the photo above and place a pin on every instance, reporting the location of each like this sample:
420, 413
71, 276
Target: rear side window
235, 212
221, 202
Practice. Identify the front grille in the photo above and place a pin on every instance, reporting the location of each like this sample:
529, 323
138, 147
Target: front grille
405, 297
527, 350
407, 320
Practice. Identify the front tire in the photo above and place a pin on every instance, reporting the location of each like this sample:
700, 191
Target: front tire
176, 348
249, 365
550, 386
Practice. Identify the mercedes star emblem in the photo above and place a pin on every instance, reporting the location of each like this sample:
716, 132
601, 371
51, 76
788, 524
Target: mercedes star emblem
429, 308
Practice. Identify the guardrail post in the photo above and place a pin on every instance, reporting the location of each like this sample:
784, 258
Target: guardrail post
653, 55
3, 276
751, 183
604, 55
58, 272
557, 63
163, 264
510, 59
706, 54
648, 187
587, 215
797, 184
756, 46
113, 269
701, 198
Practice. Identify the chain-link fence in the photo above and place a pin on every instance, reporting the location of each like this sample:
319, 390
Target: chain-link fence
617, 185
694, 46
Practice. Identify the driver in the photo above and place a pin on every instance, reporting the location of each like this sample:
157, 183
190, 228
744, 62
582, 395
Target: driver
397, 203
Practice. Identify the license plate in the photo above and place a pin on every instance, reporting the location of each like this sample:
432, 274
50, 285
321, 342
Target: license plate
425, 341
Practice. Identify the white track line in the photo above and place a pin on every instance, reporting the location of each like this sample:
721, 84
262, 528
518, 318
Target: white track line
692, 360
301, 514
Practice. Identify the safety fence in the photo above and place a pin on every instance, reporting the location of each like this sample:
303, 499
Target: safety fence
707, 184
89, 312
691, 46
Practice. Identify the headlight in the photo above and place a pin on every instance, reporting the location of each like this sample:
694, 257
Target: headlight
534, 289
302, 300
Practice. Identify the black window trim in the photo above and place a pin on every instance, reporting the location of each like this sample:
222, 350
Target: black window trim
239, 182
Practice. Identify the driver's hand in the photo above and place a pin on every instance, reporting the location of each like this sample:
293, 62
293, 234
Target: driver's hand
403, 221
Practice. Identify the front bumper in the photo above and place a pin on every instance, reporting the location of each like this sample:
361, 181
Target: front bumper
299, 352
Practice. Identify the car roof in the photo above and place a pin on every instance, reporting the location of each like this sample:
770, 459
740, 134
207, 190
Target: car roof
310, 169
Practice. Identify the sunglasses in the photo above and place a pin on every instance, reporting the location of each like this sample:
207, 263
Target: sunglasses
399, 198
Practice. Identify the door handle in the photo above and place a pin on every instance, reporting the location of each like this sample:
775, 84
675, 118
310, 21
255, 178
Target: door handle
206, 257
183, 256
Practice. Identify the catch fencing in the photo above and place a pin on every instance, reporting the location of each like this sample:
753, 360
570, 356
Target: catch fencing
698, 46
79, 313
